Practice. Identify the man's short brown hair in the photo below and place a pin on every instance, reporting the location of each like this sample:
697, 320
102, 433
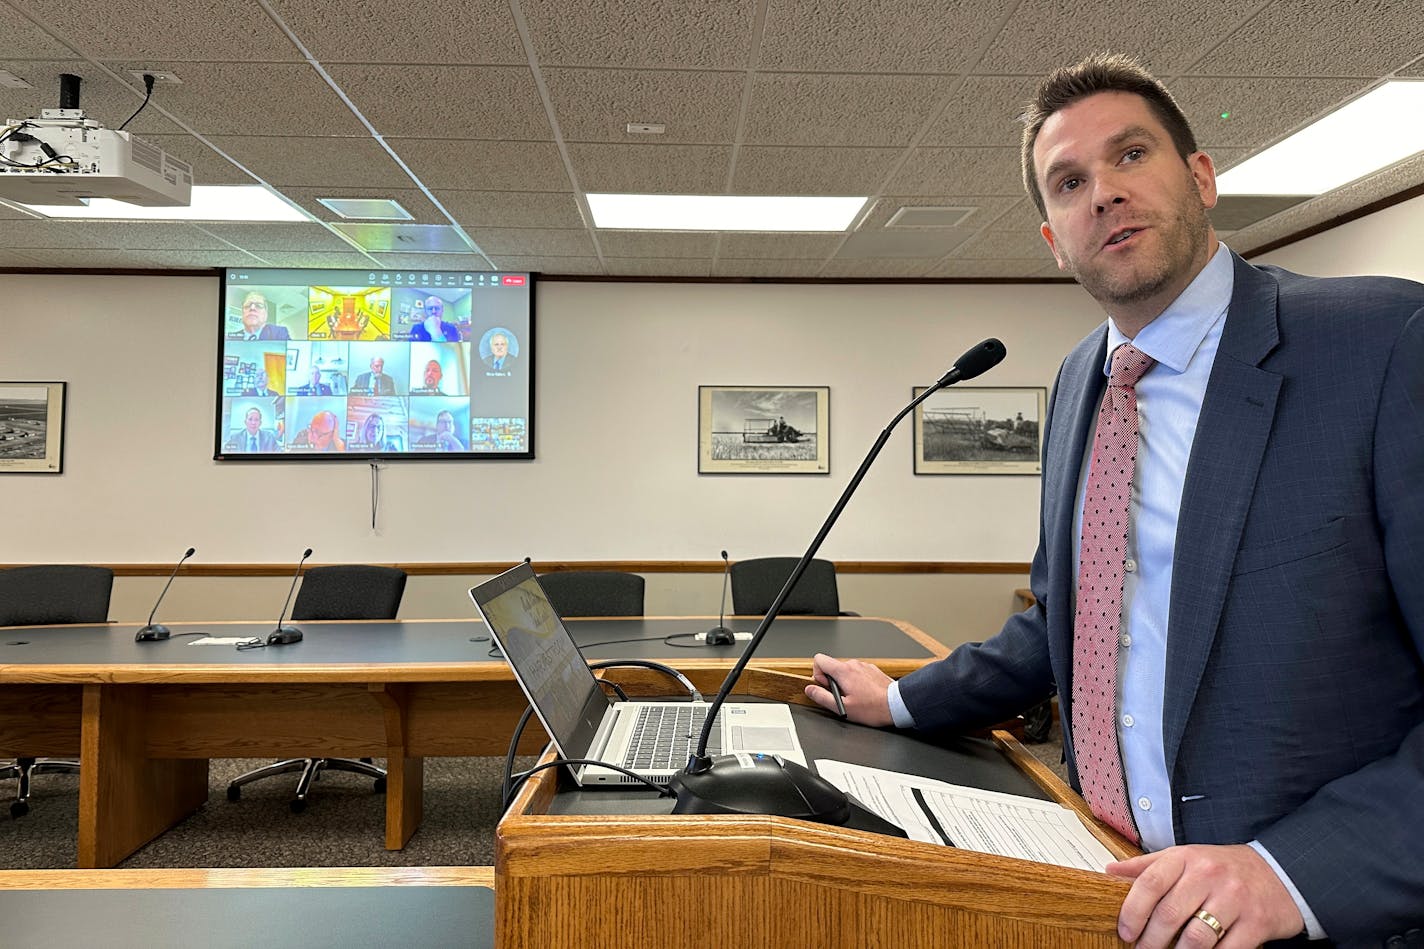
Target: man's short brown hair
1102, 72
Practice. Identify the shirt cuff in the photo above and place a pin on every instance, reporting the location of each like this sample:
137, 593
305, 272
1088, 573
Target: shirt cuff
1313, 929
898, 713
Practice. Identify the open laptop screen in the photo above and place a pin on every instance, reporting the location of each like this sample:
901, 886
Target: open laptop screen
542, 654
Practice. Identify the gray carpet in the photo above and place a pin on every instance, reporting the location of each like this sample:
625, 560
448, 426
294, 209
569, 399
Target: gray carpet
342, 826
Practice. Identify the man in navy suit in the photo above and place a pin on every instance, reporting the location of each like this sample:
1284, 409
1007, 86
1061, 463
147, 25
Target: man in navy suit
255, 310
1269, 707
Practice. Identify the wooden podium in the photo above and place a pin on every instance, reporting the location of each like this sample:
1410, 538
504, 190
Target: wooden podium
668, 880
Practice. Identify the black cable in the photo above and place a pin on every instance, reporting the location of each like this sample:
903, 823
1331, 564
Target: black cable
506, 782
148, 94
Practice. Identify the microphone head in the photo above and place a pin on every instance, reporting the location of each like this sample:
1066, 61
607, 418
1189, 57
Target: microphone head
191, 552
724, 555
980, 359
307, 553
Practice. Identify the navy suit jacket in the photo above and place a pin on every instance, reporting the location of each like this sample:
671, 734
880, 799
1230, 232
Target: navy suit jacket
1294, 695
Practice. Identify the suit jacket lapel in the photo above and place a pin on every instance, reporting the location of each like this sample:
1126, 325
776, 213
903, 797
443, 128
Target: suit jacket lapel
1236, 418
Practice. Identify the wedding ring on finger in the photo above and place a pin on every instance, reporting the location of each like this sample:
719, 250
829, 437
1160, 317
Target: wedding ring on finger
1211, 921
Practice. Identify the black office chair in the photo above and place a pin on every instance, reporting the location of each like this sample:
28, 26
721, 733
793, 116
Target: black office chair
334, 593
756, 582
595, 593
42, 596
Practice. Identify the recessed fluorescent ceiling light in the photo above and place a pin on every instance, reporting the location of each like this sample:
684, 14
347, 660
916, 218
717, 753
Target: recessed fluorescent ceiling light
209, 203
722, 212
1363, 136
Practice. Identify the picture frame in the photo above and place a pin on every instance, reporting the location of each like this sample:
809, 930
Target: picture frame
763, 430
32, 427
980, 430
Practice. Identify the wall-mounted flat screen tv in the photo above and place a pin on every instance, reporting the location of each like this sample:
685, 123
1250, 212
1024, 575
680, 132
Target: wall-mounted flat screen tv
327, 364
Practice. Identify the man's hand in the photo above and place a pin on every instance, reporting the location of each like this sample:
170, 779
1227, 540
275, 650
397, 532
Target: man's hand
1232, 883
863, 689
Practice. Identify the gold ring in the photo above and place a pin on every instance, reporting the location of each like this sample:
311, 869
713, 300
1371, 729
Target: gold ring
1211, 921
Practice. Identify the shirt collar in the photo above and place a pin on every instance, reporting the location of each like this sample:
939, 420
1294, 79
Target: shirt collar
1177, 332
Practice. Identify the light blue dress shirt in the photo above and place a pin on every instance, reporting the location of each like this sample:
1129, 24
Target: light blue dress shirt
1183, 340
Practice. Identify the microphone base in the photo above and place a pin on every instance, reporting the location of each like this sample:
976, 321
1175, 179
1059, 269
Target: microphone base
284, 635
152, 633
771, 785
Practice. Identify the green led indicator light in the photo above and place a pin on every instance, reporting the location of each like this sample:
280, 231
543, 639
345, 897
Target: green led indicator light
1226, 115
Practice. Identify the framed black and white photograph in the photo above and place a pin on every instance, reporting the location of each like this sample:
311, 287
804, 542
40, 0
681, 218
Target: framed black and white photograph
32, 427
968, 430
763, 429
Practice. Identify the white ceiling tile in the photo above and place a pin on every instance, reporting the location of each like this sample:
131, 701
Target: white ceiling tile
321, 259
1045, 34
766, 169
486, 102
277, 237
987, 269
533, 241
650, 169
149, 235
551, 265
22, 39
1262, 109
434, 31
657, 33
797, 109
779, 246
484, 166
990, 171
655, 243
315, 162
170, 30
744, 267
878, 267
11, 258
1364, 38
596, 105
985, 111
657, 267
986, 209
234, 98
898, 36
1005, 244
511, 208
904, 242
109, 259
471, 262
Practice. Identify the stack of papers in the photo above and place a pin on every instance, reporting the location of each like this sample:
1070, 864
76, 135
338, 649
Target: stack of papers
985, 821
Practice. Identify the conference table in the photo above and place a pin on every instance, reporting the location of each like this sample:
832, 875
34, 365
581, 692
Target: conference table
145, 718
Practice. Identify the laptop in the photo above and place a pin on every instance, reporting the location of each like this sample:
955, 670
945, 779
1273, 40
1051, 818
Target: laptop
653, 739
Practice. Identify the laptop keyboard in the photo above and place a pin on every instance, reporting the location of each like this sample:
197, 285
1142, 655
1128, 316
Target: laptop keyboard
664, 736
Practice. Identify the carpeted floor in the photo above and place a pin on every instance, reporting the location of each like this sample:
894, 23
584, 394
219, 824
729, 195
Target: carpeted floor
342, 826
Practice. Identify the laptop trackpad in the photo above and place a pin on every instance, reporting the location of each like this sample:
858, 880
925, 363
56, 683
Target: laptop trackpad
770, 738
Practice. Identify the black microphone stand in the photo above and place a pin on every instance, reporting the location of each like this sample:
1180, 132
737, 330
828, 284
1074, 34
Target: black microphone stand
156, 632
284, 635
725, 785
720, 635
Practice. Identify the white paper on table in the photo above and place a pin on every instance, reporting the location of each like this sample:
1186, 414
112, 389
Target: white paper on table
222, 640
971, 819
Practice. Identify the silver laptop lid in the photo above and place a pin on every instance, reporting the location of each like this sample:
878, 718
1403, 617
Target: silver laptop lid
547, 665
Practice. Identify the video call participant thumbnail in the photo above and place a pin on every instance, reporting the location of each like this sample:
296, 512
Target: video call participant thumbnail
255, 312
253, 437
375, 424
499, 350
434, 328
322, 433
439, 425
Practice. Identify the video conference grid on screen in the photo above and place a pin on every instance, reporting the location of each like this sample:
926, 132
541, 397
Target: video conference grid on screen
375, 364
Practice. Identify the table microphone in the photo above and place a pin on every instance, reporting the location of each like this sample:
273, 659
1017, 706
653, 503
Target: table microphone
153, 633
283, 635
768, 784
720, 635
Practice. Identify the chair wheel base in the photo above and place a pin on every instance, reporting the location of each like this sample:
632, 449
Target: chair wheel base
298, 805
19, 809
234, 793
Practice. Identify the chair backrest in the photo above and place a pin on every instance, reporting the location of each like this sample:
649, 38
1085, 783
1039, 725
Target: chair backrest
594, 592
60, 593
349, 591
755, 584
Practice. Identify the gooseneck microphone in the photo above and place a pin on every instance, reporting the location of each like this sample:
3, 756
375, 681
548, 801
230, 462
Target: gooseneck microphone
283, 635
720, 635
725, 784
155, 632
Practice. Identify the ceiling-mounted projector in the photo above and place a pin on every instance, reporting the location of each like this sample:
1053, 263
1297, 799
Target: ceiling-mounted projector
63, 157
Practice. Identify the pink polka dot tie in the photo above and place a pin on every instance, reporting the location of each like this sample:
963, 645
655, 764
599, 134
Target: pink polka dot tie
1098, 623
